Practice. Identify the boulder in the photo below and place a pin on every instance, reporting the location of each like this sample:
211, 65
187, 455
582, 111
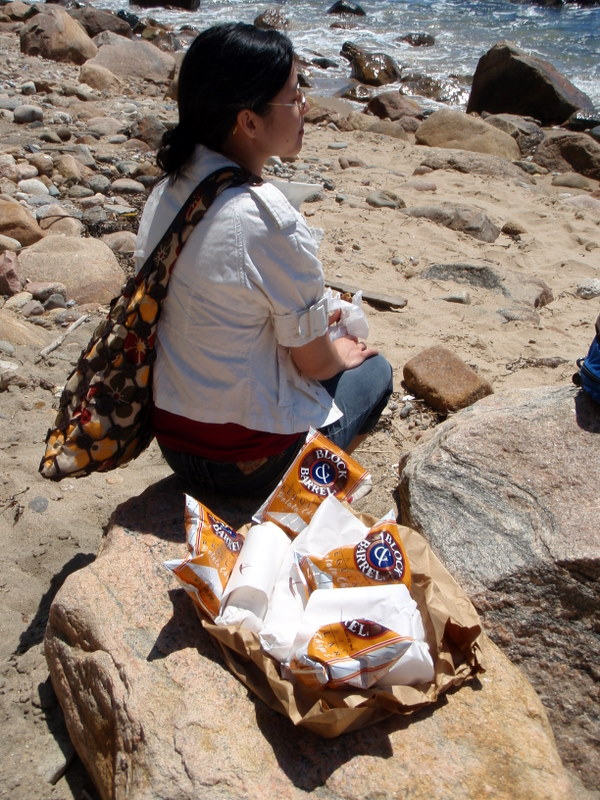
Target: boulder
570, 152
98, 77
186, 5
443, 380
58, 221
393, 105
96, 20
57, 36
453, 129
506, 493
136, 59
459, 218
374, 69
86, 266
154, 714
17, 223
524, 130
476, 163
509, 80
16, 332
521, 289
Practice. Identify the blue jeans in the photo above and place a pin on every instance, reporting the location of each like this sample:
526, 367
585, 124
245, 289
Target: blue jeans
361, 394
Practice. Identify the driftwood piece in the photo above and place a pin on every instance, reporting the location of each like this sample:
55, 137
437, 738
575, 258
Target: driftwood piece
376, 299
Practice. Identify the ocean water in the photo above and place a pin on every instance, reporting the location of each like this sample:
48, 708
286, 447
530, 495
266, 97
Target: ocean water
568, 37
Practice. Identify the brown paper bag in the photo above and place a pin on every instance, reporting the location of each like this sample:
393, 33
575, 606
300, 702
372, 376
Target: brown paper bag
452, 630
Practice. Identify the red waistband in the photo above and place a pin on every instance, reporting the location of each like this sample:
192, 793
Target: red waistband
217, 441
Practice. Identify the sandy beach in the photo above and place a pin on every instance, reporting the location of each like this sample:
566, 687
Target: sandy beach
550, 233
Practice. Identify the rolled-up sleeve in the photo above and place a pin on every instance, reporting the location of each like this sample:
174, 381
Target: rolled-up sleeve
280, 260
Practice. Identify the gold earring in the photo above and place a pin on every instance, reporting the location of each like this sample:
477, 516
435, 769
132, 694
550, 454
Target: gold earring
234, 131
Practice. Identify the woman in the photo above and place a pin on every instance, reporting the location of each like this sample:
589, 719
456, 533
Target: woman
244, 362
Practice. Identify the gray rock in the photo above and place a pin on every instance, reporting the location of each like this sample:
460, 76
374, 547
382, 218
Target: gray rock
589, 289
384, 199
459, 218
524, 130
522, 289
506, 492
154, 714
127, 186
33, 186
573, 181
475, 163
25, 113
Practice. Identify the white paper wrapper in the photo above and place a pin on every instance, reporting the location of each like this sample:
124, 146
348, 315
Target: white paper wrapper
353, 321
390, 606
332, 525
246, 596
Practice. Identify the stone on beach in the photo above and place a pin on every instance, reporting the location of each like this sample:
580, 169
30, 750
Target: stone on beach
154, 713
136, 59
443, 380
459, 218
54, 34
506, 493
453, 129
570, 151
87, 267
18, 223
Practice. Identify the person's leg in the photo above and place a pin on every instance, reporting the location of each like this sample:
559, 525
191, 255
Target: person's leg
201, 476
361, 394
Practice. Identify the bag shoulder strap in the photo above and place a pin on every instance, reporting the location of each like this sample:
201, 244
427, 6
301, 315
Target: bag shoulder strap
169, 247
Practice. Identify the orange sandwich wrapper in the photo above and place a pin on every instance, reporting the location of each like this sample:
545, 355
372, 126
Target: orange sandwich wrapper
452, 632
319, 470
213, 552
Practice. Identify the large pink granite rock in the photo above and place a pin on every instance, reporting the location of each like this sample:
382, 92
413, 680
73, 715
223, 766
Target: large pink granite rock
154, 714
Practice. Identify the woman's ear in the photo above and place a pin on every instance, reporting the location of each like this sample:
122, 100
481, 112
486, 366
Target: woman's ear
246, 123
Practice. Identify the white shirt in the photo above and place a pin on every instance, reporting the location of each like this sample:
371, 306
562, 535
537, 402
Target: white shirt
247, 286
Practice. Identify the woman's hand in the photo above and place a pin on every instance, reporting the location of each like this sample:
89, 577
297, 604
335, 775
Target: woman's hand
352, 352
322, 359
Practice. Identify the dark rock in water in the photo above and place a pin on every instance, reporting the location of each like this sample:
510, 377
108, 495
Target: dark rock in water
582, 121
272, 19
374, 69
509, 80
346, 7
324, 63
570, 152
417, 39
131, 19
186, 5
357, 92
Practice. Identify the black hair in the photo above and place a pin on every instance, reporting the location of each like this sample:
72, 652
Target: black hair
227, 68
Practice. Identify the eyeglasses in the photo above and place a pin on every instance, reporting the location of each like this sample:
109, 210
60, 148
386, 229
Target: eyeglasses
300, 103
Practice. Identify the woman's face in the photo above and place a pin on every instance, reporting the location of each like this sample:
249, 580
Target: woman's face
282, 128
